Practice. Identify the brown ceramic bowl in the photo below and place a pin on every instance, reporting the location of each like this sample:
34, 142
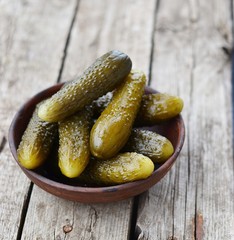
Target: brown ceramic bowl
50, 179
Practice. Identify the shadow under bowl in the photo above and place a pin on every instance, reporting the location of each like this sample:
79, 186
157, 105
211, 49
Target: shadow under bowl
51, 180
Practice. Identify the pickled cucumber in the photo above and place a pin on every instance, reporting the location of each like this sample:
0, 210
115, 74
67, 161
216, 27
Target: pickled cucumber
123, 168
159, 107
150, 144
155, 108
36, 142
74, 150
101, 77
112, 129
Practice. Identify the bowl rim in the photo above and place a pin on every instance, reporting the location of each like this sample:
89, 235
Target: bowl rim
87, 189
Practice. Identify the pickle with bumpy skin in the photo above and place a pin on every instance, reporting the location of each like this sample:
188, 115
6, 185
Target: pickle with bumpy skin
105, 74
112, 129
123, 168
159, 107
150, 144
155, 108
74, 150
36, 142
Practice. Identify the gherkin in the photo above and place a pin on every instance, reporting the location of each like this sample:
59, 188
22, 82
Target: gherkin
112, 129
36, 142
105, 74
123, 168
158, 108
155, 108
158, 148
74, 150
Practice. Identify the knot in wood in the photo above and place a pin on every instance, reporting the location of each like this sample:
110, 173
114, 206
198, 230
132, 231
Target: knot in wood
67, 228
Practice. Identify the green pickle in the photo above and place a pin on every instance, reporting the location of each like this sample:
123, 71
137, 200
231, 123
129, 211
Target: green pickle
74, 150
155, 108
123, 168
150, 144
159, 107
36, 142
113, 128
105, 74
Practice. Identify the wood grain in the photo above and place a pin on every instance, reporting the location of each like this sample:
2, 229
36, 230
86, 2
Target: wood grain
32, 39
123, 25
51, 217
195, 201
96, 221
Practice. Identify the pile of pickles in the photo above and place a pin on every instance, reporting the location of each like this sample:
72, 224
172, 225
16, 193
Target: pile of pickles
97, 119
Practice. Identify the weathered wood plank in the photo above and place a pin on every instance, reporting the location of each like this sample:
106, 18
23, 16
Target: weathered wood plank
104, 26
97, 29
51, 217
32, 39
194, 201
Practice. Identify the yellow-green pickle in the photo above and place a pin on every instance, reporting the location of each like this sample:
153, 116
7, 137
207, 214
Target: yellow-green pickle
74, 150
123, 168
155, 108
36, 142
105, 74
159, 107
112, 129
150, 144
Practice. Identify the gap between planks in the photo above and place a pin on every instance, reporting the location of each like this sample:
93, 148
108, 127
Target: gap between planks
156, 8
68, 41
24, 211
232, 74
3, 143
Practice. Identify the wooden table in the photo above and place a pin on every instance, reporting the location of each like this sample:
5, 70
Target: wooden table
184, 47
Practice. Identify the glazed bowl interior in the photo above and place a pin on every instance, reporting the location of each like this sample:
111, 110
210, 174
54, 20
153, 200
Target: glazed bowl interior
49, 178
